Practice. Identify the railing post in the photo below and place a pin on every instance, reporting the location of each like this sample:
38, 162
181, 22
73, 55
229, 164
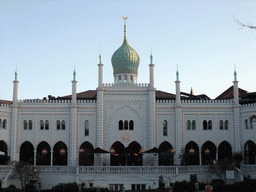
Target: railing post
177, 170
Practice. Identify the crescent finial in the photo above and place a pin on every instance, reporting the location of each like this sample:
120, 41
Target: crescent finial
125, 17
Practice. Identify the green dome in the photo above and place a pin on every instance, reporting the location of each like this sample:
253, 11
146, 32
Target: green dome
125, 59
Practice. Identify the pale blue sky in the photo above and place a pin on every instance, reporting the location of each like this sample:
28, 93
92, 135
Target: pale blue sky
45, 38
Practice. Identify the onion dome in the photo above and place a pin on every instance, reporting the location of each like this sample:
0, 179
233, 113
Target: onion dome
125, 59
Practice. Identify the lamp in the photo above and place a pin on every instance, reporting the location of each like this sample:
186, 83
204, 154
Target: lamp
62, 151
112, 151
142, 151
173, 151
81, 151
207, 151
44, 151
191, 151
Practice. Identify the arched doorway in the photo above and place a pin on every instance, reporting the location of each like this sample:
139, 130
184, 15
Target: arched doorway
119, 157
134, 157
60, 154
27, 152
3, 157
165, 157
224, 151
208, 153
191, 154
43, 154
86, 156
249, 152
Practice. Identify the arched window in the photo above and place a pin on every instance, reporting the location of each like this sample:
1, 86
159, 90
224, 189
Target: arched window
121, 125
194, 125
131, 125
226, 124
30, 124
204, 125
25, 125
0, 123
131, 79
4, 124
251, 124
63, 125
125, 78
221, 124
188, 125
164, 128
125, 125
210, 125
42, 124
246, 123
86, 128
46, 125
58, 125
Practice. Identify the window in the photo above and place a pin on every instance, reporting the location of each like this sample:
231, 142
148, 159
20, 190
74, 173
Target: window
131, 125
120, 78
4, 124
30, 124
41, 124
125, 78
131, 79
121, 125
86, 128
58, 125
63, 125
204, 125
0, 123
193, 125
210, 125
46, 125
25, 125
188, 125
246, 123
125, 125
226, 124
164, 128
221, 125
251, 126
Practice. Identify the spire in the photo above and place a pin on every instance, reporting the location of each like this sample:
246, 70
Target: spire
125, 26
235, 79
177, 74
74, 73
151, 58
191, 91
100, 57
16, 74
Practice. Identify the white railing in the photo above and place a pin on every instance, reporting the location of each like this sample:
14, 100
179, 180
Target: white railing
57, 169
142, 170
4, 169
248, 168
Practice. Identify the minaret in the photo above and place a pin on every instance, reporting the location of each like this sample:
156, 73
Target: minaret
73, 142
237, 130
100, 75
151, 72
14, 120
99, 112
178, 122
236, 95
152, 112
177, 82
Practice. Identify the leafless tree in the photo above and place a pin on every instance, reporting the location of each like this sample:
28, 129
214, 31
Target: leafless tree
25, 172
243, 25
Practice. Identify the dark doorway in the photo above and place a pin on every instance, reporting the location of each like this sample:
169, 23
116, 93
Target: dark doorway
119, 156
224, 151
43, 154
27, 153
86, 156
191, 154
249, 152
165, 156
208, 153
60, 154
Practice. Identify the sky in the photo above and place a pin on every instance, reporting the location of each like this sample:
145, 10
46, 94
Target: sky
45, 39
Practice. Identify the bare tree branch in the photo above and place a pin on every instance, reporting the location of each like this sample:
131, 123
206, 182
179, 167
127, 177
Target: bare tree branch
243, 25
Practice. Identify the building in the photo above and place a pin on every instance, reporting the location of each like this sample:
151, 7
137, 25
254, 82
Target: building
127, 119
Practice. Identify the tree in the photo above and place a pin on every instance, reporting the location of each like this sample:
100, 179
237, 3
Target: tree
243, 25
25, 172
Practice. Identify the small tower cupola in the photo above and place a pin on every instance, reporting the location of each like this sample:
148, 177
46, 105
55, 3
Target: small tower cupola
125, 62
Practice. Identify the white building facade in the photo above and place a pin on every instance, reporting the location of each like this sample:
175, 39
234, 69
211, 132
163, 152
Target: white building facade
127, 119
